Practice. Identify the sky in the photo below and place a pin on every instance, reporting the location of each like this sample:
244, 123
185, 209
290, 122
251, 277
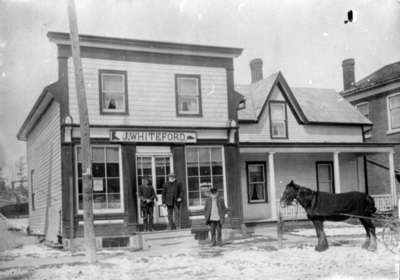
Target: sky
305, 39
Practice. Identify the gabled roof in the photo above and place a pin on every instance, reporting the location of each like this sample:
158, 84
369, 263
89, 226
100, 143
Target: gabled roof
40, 106
327, 106
257, 94
381, 76
62, 38
309, 105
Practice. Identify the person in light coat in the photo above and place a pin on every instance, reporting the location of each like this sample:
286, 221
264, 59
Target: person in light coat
214, 213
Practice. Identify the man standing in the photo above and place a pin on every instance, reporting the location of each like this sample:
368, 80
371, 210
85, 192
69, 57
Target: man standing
147, 196
172, 198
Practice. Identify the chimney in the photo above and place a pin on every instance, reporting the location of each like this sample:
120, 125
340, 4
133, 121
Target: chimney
256, 70
348, 73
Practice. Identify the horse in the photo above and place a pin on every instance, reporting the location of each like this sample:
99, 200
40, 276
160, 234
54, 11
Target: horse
324, 206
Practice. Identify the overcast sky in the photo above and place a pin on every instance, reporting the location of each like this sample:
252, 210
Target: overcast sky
306, 40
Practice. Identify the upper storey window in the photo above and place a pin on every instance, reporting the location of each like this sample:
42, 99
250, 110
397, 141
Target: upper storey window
394, 112
113, 92
278, 119
188, 95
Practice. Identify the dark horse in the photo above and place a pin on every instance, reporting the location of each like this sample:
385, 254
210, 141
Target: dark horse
323, 206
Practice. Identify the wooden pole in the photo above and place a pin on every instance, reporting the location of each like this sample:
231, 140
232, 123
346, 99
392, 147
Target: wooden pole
279, 227
87, 188
71, 214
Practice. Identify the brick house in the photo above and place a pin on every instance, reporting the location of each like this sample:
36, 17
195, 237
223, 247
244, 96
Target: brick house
377, 97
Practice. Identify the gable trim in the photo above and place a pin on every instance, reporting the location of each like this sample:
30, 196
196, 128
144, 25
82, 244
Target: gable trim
289, 98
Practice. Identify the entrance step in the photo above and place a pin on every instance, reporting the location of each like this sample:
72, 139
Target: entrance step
164, 238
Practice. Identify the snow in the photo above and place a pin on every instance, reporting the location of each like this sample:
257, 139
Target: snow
233, 261
18, 223
245, 263
33, 251
335, 229
251, 257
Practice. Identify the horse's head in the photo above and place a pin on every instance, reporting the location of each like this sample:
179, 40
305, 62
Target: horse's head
289, 194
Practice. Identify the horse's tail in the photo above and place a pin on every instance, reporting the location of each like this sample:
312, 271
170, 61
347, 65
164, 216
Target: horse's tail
370, 205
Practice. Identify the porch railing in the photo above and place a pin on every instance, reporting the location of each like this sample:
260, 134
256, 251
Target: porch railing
383, 202
292, 212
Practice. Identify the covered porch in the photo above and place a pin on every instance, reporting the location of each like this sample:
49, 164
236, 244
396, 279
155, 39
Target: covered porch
266, 168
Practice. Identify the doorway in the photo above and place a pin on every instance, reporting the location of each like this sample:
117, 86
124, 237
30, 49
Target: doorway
325, 181
156, 168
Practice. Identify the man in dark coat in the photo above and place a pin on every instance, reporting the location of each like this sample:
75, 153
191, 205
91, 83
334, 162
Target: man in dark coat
214, 213
172, 197
147, 196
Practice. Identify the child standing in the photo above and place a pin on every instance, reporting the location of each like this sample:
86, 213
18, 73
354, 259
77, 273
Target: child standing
214, 212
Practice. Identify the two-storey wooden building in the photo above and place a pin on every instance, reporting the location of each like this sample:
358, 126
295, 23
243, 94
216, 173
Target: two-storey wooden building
309, 135
154, 108
377, 96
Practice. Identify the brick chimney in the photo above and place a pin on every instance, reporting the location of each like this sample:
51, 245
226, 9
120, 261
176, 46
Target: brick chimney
348, 73
256, 70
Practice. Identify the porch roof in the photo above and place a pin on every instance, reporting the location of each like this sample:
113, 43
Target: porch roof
309, 147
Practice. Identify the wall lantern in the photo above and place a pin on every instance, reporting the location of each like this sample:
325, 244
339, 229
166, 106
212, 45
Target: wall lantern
232, 129
68, 129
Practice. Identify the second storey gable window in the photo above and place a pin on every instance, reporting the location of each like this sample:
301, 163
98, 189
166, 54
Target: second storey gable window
188, 95
394, 111
278, 119
113, 92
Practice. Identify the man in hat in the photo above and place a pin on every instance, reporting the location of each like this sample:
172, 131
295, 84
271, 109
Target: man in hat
214, 212
147, 196
172, 197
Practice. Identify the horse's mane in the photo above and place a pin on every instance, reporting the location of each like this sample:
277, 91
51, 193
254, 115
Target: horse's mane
306, 195
301, 189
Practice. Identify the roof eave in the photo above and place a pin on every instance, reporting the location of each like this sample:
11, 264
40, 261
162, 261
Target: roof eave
356, 90
62, 38
339, 123
40, 105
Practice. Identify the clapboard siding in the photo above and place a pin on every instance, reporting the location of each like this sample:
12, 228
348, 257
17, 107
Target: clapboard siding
151, 94
260, 132
44, 158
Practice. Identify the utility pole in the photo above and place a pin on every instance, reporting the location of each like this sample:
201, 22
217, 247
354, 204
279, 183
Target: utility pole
89, 235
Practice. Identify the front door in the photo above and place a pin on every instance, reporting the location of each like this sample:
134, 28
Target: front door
325, 177
156, 168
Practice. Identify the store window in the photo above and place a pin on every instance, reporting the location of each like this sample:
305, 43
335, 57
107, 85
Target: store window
113, 92
107, 179
278, 119
205, 167
188, 95
394, 111
256, 182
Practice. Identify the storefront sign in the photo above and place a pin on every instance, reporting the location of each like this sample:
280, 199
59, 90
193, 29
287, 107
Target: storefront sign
160, 136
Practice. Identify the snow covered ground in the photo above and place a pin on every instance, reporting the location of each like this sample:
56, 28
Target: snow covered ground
252, 262
18, 223
253, 257
335, 229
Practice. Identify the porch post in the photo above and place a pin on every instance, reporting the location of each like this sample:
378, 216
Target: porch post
336, 172
392, 178
271, 169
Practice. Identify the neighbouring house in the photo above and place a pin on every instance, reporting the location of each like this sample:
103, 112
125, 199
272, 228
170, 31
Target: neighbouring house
377, 97
310, 135
154, 108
